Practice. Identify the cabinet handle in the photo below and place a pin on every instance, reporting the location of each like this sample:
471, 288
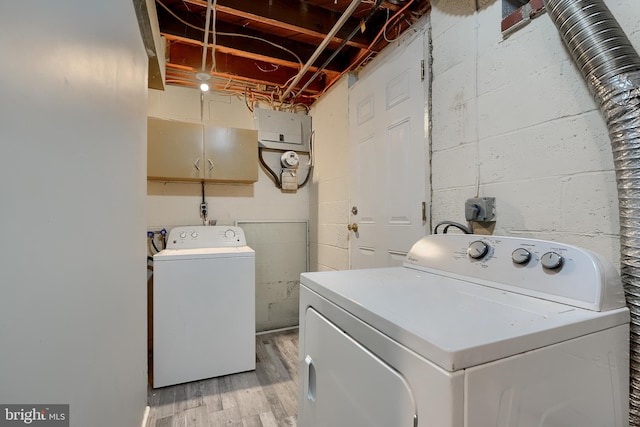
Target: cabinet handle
196, 164
210, 164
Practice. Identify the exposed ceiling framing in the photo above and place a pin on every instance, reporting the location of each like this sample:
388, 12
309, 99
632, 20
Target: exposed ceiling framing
261, 45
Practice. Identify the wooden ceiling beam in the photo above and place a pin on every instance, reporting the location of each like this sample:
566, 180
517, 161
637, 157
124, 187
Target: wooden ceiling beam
242, 41
241, 53
266, 73
250, 44
245, 64
297, 17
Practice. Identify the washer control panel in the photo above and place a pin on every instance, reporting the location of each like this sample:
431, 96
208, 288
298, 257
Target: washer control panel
551, 260
478, 249
521, 256
203, 236
544, 269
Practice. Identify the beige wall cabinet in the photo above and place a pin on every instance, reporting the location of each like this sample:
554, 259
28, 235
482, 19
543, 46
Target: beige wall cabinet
231, 154
179, 151
174, 150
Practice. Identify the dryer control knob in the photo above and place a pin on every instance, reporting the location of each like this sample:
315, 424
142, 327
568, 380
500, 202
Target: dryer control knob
194, 234
229, 234
477, 249
183, 235
551, 260
521, 256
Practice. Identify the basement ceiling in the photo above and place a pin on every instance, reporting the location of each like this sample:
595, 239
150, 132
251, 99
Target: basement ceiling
262, 45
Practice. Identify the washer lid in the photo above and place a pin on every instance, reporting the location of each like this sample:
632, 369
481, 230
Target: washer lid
452, 322
201, 253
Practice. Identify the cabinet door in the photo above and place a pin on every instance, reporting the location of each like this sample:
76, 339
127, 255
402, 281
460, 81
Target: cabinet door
174, 150
231, 155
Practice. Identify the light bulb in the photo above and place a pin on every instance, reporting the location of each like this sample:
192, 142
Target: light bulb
203, 77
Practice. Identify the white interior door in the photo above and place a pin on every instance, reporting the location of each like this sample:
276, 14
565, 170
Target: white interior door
389, 163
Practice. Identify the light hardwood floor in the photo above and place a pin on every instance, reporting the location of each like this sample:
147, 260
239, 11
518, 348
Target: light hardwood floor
266, 397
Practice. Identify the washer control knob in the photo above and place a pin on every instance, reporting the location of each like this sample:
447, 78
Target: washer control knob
552, 260
229, 234
521, 256
183, 235
477, 249
194, 234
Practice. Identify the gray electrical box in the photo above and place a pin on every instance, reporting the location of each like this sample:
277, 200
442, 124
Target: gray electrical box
480, 209
281, 130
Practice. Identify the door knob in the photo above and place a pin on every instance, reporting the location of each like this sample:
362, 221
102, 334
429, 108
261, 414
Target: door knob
353, 227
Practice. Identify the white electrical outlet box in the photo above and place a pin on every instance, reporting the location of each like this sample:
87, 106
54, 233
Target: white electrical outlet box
289, 179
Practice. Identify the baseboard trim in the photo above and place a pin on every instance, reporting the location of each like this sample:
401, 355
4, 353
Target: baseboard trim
145, 417
277, 330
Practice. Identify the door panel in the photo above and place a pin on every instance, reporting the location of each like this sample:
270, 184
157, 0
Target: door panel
174, 150
230, 155
366, 180
398, 90
365, 110
347, 385
398, 149
389, 159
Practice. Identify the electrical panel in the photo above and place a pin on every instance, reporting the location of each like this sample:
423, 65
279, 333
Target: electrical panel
282, 130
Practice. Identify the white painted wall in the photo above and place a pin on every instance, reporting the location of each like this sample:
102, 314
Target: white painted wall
329, 204
171, 204
516, 116
72, 174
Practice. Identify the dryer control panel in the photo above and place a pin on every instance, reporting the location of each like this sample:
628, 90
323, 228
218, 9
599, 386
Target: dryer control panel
203, 236
543, 269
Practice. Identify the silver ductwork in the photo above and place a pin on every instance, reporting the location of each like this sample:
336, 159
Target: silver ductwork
611, 68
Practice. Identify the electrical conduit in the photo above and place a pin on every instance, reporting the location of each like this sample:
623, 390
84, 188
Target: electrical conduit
322, 46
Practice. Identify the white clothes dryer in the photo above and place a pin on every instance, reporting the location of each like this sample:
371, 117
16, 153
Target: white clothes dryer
472, 331
203, 305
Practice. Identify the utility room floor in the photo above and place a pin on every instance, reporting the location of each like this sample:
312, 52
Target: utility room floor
266, 397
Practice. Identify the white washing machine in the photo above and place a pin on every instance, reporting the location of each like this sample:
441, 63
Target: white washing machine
472, 331
203, 305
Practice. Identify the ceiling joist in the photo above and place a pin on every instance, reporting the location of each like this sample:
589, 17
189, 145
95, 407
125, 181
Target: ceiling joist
264, 44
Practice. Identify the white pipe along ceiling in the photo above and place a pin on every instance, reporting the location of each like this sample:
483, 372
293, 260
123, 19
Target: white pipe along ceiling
347, 13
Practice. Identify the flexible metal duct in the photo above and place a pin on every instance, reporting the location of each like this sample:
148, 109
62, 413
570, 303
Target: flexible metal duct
611, 67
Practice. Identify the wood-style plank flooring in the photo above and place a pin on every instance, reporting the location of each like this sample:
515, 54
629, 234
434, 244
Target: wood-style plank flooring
266, 397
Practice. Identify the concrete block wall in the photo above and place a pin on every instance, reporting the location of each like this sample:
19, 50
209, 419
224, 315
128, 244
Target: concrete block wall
329, 198
513, 119
177, 203
281, 255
